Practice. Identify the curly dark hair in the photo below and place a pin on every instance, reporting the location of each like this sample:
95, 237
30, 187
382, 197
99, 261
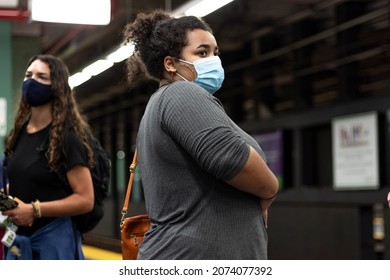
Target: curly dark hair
156, 35
66, 115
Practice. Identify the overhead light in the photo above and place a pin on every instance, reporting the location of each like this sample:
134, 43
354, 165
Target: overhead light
78, 79
98, 67
9, 3
93, 69
199, 8
91, 12
121, 53
101, 65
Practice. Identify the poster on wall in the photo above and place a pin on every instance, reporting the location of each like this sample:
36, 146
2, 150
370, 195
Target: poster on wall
272, 145
355, 152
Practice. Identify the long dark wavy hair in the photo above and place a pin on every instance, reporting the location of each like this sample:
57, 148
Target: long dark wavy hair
66, 115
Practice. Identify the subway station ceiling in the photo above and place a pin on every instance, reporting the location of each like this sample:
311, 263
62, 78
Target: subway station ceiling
79, 45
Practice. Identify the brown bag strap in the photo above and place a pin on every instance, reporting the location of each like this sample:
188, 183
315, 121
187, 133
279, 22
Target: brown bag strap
132, 167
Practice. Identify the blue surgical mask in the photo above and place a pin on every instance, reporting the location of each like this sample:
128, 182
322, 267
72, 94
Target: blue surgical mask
36, 93
210, 73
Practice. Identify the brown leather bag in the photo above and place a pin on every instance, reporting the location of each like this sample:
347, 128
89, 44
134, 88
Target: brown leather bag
132, 228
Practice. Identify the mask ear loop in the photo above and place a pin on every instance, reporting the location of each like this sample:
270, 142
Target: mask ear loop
181, 77
189, 68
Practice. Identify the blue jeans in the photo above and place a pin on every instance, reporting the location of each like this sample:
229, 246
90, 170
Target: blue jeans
55, 241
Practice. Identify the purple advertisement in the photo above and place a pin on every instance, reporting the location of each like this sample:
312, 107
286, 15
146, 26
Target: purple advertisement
272, 145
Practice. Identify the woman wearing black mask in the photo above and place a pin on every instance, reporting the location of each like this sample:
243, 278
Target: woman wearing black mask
207, 188
49, 135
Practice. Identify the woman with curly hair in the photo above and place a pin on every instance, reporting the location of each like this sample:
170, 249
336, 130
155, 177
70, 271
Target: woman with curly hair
207, 188
48, 116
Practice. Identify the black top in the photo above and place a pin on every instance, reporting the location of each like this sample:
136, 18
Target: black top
29, 174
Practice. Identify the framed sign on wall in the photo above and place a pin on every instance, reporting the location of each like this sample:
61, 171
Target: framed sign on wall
355, 152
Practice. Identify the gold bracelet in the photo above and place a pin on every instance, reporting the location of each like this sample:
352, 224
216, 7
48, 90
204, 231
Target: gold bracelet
36, 209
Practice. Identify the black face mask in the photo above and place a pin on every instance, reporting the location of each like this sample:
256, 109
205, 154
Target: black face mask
35, 93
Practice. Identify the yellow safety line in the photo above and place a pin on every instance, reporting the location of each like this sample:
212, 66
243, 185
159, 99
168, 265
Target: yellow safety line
93, 253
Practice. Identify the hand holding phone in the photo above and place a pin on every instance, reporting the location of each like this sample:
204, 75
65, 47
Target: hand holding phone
7, 202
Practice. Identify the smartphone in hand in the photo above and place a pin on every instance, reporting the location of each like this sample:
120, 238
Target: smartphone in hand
7, 202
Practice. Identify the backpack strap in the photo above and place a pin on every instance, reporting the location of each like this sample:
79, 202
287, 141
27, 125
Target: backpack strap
132, 167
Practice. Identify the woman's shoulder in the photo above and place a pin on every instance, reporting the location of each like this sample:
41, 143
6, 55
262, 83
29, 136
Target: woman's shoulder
71, 137
72, 143
184, 91
180, 86
184, 94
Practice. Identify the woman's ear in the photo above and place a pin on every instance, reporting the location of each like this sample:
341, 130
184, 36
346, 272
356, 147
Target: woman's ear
169, 64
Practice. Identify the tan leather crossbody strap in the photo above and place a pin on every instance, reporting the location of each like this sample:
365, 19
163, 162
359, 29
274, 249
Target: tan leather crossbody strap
132, 167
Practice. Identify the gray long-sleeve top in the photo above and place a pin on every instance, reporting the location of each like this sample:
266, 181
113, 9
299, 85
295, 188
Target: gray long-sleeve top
187, 146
